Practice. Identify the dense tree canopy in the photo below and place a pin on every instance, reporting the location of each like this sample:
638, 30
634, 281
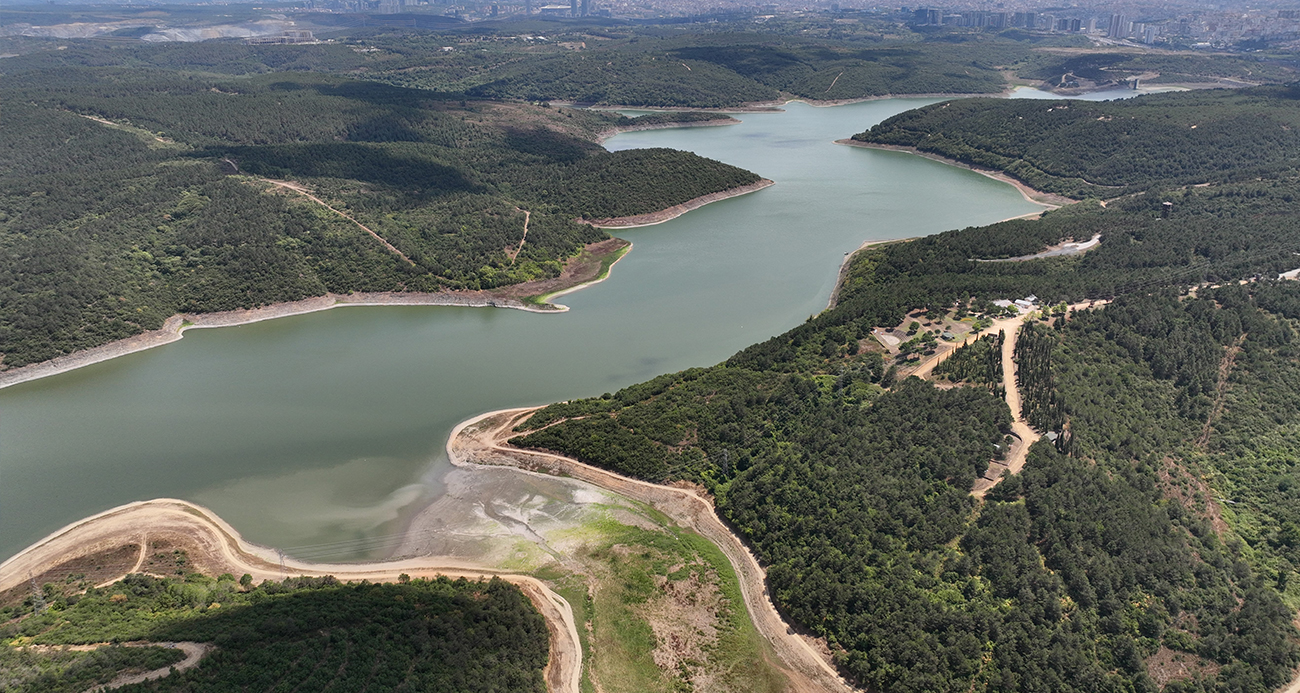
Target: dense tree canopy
1106, 565
107, 228
1106, 149
420, 635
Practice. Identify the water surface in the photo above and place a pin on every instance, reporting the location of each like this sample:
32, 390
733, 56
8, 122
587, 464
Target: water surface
315, 433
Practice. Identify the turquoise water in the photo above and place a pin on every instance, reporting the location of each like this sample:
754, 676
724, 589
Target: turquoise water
316, 433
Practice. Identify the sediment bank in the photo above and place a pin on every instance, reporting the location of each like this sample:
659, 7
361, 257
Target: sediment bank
677, 210
587, 268
216, 546
1046, 199
175, 326
482, 441
718, 122
584, 270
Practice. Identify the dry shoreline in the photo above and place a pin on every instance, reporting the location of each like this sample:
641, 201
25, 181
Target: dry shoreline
517, 296
848, 259
481, 441
717, 122
173, 328
219, 546
677, 210
775, 105
1038, 197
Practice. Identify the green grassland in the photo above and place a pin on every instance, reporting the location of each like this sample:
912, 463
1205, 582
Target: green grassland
665, 613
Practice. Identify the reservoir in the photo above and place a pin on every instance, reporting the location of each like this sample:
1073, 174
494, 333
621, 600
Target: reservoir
316, 434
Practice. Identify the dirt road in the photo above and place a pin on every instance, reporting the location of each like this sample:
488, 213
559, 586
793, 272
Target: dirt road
215, 544
302, 190
1025, 436
481, 440
194, 651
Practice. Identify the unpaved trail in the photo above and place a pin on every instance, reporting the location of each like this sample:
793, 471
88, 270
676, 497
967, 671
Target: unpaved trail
139, 561
482, 440
194, 652
214, 543
520, 249
1024, 435
1220, 391
302, 190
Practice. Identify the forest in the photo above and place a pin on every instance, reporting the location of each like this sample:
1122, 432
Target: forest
1112, 148
1108, 563
718, 64
416, 634
108, 228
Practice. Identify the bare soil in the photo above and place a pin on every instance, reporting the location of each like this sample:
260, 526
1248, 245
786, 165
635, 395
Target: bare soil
78, 573
482, 440
211, 545
1167, 666
578, 272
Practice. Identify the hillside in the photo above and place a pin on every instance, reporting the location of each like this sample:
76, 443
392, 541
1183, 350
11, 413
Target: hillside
129, 195
317, 632
1105, 564
1108, 149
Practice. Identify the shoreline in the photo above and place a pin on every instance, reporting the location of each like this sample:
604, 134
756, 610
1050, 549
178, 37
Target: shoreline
843, 272
600, 277
174, 327
514, 296
1038, 197
775, 105
659, 217
618, 130
685, 505
222, 547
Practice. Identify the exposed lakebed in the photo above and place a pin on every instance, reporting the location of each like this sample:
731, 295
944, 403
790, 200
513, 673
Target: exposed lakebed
319, 433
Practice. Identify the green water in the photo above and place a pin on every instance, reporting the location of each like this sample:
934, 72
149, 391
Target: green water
315, 433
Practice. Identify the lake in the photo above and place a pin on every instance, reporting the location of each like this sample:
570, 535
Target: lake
318, 433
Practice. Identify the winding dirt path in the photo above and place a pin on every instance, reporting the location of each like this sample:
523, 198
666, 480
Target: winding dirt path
194, 652
527, 215
1024, 435
482, 440
302, 190
221, 547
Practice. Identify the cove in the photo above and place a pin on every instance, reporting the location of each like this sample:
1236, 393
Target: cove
318, 434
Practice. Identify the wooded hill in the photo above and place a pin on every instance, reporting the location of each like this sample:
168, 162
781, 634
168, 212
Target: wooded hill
315, 633
1107, 149
698, 66
108, 229
1109, 568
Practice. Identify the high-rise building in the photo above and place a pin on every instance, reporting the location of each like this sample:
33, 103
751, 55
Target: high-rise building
573, 8
1118, 26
